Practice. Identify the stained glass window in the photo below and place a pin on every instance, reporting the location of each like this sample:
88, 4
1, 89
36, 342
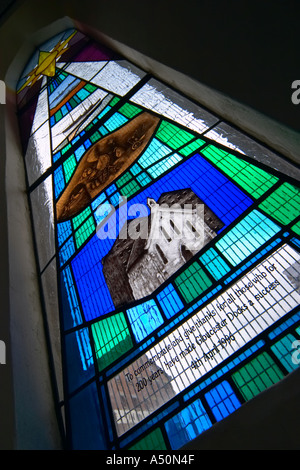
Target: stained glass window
167, 246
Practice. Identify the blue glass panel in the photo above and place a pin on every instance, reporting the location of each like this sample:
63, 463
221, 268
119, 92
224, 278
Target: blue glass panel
59, 181
286, 324
296, 241
56, 156
111, 189
191, 309
64, 230
169, 301
222, 400
154, 152
116, 199
156, 170
87, 143
92, 288
101, 198
82, 94
143, 179
115, 121
66, 251
144, 319
64, 110
102, 211
72, 312
79, 152
79, 358
187, 424
136, 169
88, 428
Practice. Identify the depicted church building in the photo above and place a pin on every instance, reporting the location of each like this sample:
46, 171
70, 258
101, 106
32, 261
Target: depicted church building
155, 247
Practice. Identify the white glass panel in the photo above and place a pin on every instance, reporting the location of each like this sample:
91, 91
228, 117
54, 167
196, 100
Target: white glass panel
42, 110
163, 100
83, 70
38, 154
118, 77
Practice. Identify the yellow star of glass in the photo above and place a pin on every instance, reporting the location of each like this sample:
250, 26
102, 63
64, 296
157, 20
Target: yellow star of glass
46, 63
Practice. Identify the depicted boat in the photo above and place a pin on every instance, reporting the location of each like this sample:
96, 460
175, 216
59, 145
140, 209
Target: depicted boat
103, 163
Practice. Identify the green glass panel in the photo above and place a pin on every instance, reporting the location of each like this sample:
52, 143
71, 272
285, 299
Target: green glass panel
283, 204
95, 137
173, 135
143, 179
111, 339
214, 264
58, 115
130, 189
296, 228
69, 167
81, 217
251, 178
153, 441
72, 102
192, 282
190, 148
66, 148
283, 349
114, 101
129, 110
84, 231
123, 180
257, 375
90, 88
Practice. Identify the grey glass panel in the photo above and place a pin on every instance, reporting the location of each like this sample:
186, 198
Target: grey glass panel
43, 216
49, 286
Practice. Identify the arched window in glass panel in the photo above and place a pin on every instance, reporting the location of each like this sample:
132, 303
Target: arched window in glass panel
146, 343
